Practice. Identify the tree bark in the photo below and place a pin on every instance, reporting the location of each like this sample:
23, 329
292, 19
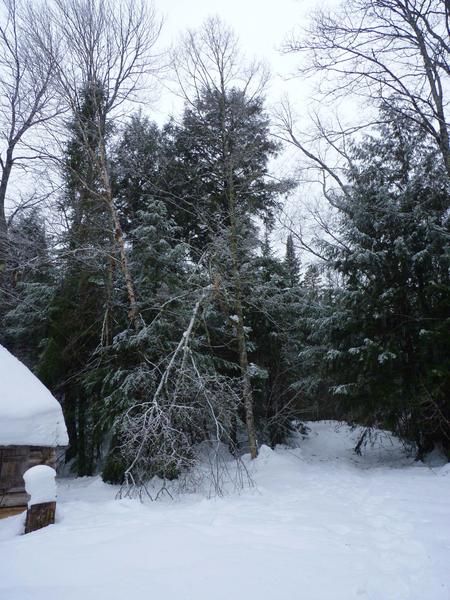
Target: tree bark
247, 392
4, 246
236, 276
240, 331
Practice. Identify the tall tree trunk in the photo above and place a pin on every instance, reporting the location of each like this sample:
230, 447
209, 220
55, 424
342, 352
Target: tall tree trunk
240, 331
234, 233
4, 246
247, 392
81, 431
133, 313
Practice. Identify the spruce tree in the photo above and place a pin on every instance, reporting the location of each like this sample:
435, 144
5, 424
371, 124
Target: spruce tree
32, 278
379, 340
292, 262
273, 317
223, 151
81, 311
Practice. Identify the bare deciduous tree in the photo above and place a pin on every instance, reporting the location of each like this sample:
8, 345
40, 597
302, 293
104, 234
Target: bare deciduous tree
209, 58
108, 46
188, 405
27, 100
392, 52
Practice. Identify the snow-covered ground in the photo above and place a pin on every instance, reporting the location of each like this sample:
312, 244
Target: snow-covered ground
320, 524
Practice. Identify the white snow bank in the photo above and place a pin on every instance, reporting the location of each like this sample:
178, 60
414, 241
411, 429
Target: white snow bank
445, 470
29, 414
435, 458
265, 452
40, 484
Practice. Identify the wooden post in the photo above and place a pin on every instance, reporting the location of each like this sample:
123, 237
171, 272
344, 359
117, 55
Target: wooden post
40, 515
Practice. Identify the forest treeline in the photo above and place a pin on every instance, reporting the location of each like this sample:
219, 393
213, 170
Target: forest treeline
158, 309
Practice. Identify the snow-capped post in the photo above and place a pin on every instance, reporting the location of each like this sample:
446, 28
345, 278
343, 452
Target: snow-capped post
41, 486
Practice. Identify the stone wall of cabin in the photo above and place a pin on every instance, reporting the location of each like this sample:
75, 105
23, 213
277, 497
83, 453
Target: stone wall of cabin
14, 461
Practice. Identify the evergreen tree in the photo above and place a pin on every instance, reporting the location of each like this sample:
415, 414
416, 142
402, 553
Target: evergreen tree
137, 168
224, 148
81, 309
131, 364
292, 262
380, 340
32, 277
311, 279
220, 127
273, 316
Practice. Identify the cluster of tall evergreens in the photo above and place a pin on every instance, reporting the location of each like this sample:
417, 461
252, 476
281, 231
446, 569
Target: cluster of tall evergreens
159, 311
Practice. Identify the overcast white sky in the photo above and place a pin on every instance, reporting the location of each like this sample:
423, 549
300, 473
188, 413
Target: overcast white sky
261, 26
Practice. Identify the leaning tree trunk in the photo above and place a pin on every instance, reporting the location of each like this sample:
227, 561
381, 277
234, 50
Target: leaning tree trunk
133, 313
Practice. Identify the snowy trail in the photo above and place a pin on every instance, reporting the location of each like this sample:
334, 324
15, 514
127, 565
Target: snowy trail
322, 524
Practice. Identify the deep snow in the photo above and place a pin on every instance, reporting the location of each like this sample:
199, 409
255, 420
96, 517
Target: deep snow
29, 414
320, 524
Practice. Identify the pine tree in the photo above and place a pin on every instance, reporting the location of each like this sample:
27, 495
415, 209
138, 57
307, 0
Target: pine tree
273, 317
131, 364
311, 279
137, 168
292, 262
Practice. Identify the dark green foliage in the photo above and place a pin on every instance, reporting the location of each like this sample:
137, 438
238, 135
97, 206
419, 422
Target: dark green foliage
80, 312
292, 262
32, 278
273, 310
197, 169
380, 340
138, 169
114, 468
366, 333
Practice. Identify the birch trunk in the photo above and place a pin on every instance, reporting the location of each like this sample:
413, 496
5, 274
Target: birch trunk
133, 313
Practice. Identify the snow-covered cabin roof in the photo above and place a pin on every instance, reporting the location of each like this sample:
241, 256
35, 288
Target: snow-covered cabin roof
29, 414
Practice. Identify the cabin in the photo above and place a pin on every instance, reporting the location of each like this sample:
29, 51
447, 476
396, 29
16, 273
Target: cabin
32, 429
